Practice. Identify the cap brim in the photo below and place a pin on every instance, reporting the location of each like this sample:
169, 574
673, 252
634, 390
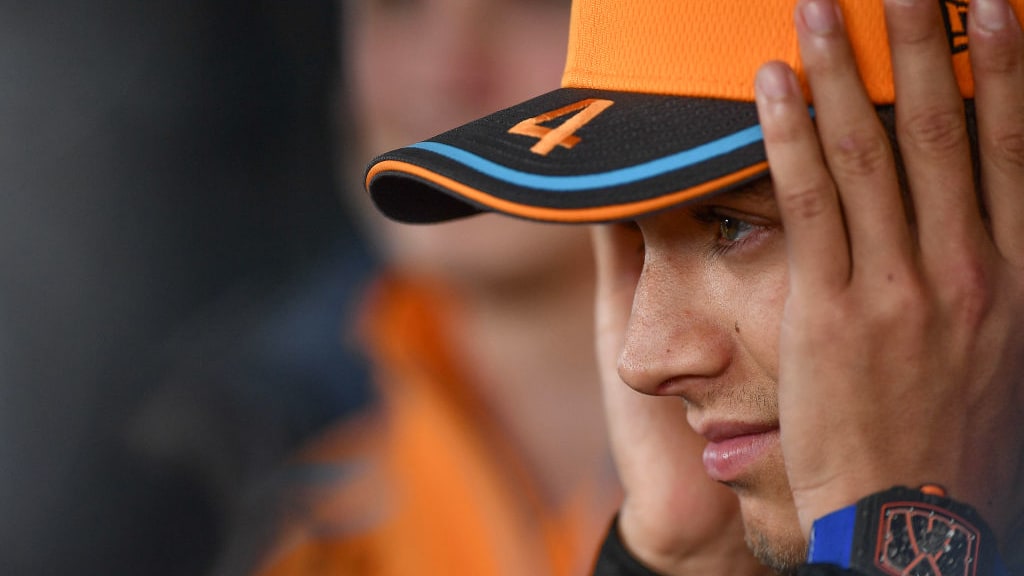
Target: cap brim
640, 154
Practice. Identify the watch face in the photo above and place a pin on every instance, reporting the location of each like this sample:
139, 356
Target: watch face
920, 539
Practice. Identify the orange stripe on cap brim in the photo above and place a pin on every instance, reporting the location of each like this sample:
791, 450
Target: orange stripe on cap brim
595, 214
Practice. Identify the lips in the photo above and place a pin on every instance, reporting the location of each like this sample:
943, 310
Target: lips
734, 449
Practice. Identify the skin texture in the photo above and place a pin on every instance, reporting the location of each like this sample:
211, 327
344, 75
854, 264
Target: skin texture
885, 345
675, 518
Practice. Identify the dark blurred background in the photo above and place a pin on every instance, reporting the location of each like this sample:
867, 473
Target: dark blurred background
176, 271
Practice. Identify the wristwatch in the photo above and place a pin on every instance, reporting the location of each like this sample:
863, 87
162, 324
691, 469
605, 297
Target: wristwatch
907, 531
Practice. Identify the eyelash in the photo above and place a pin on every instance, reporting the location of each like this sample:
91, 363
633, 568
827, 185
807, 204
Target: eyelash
713, 216
722, 245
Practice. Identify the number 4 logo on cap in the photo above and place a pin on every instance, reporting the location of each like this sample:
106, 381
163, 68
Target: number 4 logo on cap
564, 134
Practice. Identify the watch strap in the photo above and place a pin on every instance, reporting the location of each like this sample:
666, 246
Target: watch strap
907, 531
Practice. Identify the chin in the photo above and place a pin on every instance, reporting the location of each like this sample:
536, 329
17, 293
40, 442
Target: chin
773, 530
782, 557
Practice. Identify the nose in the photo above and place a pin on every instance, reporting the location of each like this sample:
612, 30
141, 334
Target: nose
675, 344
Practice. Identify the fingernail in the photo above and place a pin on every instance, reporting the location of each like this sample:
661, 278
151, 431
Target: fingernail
820, 16
991, 15
772, 82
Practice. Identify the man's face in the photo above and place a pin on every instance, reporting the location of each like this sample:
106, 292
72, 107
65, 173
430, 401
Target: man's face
710, 284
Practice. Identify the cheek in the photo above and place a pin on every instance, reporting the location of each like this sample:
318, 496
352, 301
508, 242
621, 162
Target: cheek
767, 318
757, 317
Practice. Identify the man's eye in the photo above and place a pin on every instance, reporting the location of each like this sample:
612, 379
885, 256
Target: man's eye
733, 229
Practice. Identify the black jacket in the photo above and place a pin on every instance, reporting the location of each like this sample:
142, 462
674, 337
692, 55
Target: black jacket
615, 560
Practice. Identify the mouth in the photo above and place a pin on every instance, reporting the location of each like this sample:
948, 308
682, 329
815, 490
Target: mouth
733, 449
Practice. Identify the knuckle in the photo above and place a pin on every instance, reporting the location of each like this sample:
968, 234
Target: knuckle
913, 29
967, 293
934, 131
807, 201
1008, 149
901, 308
859, 154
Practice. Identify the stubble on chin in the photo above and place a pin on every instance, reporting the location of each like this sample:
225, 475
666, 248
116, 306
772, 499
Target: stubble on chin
783, 558
771, 526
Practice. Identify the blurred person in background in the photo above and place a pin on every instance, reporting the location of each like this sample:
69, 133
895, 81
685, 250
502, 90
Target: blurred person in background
486, 453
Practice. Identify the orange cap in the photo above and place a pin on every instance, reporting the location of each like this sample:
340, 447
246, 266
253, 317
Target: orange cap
713, 49
656, 109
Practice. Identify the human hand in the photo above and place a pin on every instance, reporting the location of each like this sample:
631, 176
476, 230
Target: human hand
674, 518
902, 343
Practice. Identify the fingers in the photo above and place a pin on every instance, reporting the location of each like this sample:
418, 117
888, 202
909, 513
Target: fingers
856, 147
815, 235
837, 186
945, 331
932, 134
997, 60
618, 259
934, 143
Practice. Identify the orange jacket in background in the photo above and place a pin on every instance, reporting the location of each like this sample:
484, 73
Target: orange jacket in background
426, 485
